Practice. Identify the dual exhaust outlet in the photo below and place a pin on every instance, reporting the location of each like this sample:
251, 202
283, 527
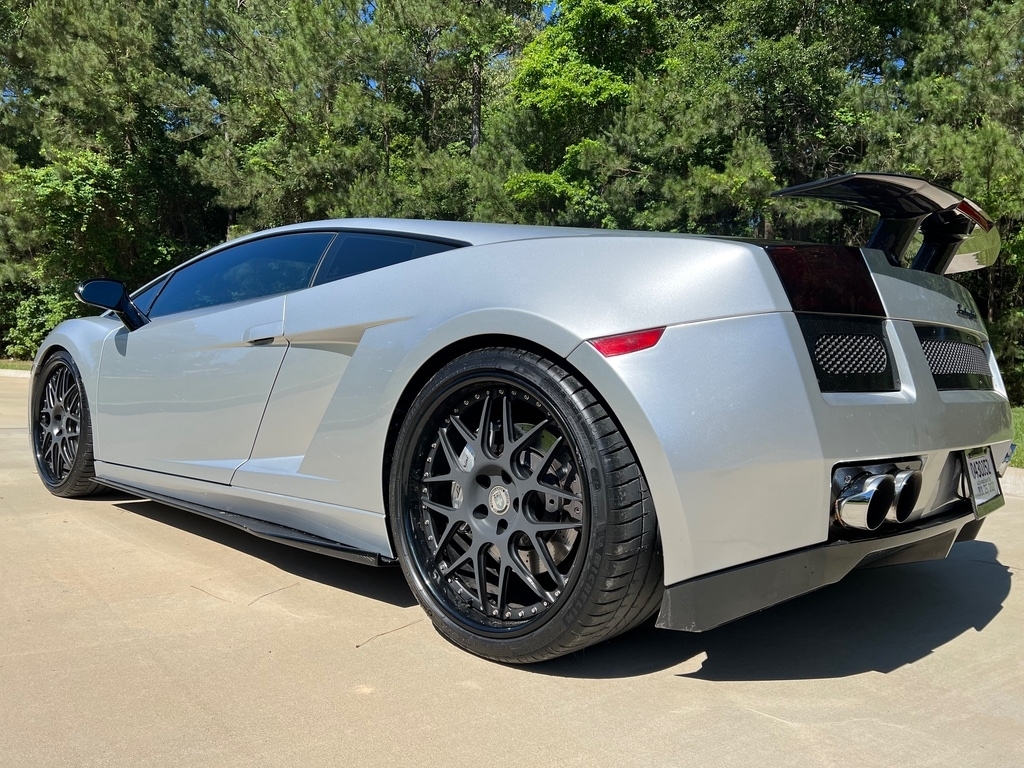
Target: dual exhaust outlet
870, 499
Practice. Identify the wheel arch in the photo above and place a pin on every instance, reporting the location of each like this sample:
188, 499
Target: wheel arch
82, 339
431, 366
629, 567
456, 349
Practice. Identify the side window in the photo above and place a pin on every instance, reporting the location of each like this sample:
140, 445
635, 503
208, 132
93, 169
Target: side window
144, 299
355, 253
248, 271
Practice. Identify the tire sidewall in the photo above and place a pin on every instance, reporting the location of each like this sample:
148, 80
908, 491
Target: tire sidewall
553, 631
84, 452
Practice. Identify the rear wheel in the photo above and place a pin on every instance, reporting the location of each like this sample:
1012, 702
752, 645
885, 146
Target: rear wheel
519, 512
62, 430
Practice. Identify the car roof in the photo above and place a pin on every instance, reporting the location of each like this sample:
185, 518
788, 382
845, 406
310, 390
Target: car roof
466, 232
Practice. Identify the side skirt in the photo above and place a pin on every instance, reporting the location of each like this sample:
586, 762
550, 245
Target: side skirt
262, 528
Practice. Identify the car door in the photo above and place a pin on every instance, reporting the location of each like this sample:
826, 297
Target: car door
323, 336
184, 394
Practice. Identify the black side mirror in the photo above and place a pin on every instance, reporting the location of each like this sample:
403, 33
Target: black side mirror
112, 295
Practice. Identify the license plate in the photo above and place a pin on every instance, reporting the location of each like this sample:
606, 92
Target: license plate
981, 474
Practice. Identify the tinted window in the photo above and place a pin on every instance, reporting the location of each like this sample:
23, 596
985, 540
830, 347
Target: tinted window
358, 253
144, 299
248, 271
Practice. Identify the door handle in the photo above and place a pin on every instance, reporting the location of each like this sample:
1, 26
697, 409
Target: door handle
263, 334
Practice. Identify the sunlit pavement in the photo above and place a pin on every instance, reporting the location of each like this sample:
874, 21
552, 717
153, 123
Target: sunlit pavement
134, 634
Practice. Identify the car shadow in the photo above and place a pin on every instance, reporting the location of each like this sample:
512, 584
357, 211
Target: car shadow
874, 620
383, 584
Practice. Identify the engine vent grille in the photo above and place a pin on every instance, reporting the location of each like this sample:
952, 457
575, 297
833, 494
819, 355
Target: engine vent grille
850, 354
957, 359
844, 354
946, 357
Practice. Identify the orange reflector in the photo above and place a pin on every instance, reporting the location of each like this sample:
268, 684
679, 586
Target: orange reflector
625, 343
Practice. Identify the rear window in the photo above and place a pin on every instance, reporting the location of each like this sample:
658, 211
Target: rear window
354, 254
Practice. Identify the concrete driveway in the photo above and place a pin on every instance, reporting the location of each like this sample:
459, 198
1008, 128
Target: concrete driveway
134, 634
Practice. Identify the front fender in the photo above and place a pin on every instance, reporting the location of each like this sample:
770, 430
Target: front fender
83, 339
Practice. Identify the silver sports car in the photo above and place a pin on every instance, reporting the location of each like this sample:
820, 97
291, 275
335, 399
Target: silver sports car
697, 427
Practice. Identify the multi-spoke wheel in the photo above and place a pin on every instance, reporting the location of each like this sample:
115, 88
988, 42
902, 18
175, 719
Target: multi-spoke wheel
61, 431
519, 513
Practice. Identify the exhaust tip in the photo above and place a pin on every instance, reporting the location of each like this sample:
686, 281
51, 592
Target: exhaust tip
864, 504
908, 491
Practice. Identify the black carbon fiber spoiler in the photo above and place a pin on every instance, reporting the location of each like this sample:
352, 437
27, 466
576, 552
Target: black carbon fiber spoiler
957, 235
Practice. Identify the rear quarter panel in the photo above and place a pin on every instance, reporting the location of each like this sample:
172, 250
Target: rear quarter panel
375, 331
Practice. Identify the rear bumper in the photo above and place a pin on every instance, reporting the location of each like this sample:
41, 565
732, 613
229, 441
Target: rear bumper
709, 601
739, 445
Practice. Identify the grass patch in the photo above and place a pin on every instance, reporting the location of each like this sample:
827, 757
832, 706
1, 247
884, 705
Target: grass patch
1018, 437
22, 365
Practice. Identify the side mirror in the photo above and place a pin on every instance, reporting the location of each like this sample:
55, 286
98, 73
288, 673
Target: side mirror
112, 295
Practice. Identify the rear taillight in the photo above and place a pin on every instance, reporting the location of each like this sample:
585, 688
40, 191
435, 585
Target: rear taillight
841, 316
831, 279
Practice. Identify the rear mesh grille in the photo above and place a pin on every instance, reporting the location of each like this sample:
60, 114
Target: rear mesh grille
946, 357
956, 358
850, 354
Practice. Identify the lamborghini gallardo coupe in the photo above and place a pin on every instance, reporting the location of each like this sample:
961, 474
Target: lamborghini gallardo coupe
556, 433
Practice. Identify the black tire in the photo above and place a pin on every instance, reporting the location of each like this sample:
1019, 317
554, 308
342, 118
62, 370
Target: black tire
62, 429
526, 550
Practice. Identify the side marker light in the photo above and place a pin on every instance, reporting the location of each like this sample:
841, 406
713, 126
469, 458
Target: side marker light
624, 343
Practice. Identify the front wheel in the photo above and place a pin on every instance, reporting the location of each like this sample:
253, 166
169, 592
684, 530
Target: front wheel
519, 513
61, 429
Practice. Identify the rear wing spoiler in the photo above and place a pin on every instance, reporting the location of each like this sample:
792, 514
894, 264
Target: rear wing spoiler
957, 236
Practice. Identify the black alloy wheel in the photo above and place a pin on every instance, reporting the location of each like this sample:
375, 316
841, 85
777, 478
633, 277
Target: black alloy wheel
510, 502
61, 429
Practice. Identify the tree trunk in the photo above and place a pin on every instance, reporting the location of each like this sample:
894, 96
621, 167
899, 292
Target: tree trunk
477, 77
991, 277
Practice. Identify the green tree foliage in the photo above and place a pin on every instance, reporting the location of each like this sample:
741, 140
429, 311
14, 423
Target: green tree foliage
952, 109
694, 112
297, 110
90, 182
134, 134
